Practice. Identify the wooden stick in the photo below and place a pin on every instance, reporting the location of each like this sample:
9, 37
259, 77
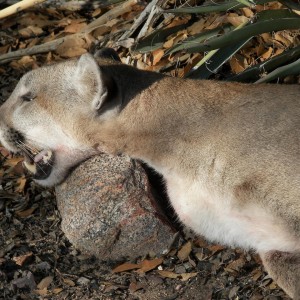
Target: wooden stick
139, 20
110, 15
15, 8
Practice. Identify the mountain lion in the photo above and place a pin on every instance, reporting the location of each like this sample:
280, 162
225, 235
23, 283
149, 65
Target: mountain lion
229, 152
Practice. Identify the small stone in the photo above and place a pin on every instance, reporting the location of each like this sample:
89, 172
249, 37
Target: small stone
233, 292
43, 266
27, 280
180, 269
83, 281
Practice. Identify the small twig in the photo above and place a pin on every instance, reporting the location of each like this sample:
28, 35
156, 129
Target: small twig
15, 8
139, 20
155, 12
110, 15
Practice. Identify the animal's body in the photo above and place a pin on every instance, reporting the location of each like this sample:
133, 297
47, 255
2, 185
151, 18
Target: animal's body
229, 152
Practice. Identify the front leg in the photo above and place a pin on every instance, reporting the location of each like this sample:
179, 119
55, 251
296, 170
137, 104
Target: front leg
284, 268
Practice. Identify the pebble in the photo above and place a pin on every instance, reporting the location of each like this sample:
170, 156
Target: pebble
83, 281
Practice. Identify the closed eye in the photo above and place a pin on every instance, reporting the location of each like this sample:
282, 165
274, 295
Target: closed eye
28, 97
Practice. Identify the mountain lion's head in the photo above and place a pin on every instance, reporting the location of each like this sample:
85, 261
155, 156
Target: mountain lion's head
47, 114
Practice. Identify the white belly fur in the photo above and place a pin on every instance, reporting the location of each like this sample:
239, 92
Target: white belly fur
217, 218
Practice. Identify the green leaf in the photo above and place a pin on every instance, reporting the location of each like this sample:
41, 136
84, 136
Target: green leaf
290, 69
227, 5
156, 39
267, 21
198, 38
216, 61
254, 73
290, 4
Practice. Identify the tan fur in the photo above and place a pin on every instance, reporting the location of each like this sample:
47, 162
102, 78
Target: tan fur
229, 152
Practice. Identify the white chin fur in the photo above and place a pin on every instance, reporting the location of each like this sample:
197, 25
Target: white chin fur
56, 177
62, 166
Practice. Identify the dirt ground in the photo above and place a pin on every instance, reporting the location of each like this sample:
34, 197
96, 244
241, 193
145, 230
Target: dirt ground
38, 262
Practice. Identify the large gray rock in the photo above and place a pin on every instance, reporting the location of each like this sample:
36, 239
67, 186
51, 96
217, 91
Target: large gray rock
108, 209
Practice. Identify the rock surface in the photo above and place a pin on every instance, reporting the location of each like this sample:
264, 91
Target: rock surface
108, 210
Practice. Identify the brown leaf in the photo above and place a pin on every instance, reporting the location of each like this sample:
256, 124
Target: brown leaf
20, 260
26, 213
247, 12
237, 64
185, 251
57, 290
157, 55
45, 282
197, 27
21, 185
43, 292
148, 265
284, 38
168, 274
178, 21
257, 274
187, 276
72, 47
125, 267
201, 243
236, 265
96, 12
69, 282
267, 54
216, 248
24, 62
75, 27
101, 30
30, 31
4, 152
134, 286
236, 20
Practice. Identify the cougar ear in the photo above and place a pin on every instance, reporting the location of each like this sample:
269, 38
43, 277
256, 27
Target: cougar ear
108, 53
89, 78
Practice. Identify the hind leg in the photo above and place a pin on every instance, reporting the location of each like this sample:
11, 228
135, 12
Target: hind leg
284, 268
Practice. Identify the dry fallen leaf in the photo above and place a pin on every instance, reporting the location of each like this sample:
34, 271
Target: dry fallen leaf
167, 274
157, 55
21, 182
69, 282
26, 213
236, 20
30, 31
236, 265
57, 290
196, 27
185, 251
125, 267
148, 265
45, 282
72, 47
237, 64
187, 276
75, 26
135, 286
267, 54
216, 248
20, 260
42, 292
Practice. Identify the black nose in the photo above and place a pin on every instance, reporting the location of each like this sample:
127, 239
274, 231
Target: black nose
15, 136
